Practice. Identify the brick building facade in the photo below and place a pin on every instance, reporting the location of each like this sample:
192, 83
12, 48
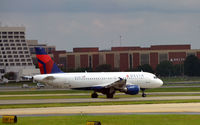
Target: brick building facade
125, 58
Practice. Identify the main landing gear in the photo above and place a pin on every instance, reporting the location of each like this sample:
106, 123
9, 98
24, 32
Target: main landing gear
143, 94
94, 95
109, 95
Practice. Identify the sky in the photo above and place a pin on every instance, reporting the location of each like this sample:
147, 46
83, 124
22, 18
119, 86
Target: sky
100, 23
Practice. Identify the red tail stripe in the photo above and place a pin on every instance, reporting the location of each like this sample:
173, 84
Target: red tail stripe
44, 58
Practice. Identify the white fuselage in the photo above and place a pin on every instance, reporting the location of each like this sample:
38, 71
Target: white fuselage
95, 79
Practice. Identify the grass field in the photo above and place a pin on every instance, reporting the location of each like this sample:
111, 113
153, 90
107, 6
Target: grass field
112, 120
180, 79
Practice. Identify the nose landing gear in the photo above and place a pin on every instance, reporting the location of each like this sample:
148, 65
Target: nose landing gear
94, 95
143, 94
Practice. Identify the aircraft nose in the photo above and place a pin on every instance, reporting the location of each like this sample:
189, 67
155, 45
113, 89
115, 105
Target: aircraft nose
160, 82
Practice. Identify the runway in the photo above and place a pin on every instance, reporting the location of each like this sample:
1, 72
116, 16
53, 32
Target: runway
82, 100
141, 108
88, 94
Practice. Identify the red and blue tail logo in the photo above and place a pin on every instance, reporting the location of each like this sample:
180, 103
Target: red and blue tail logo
46, 64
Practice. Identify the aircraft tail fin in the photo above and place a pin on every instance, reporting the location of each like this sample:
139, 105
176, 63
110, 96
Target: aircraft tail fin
46, 64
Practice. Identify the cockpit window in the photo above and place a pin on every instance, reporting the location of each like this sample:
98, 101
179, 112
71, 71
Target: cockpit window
155, 77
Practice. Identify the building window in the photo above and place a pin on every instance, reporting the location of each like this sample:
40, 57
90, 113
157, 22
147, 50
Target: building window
16, 32
4, 32
11, 40
21, 56
131, 61
16, 60
163, 57
17, 64
23, 60
26, 52
28, 60
21, 32
13, 48
16, 36
5, 40
16, 40
6, 44
10, 60
10, 36
144, 59
10, 32
30, 64
90, 61
4, 36
15, 56
8, 52
12, 64
23, 64
7, 48
189, 54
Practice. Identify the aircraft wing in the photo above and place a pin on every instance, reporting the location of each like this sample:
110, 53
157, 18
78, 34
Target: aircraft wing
119, 84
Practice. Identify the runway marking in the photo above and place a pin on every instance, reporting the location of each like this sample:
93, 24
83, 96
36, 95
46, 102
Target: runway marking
141, 108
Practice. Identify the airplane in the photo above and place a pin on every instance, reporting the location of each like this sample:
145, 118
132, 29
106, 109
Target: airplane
106, 83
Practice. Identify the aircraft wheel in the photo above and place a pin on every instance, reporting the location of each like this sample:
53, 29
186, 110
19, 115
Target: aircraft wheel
109, 95
94, 95
144, 95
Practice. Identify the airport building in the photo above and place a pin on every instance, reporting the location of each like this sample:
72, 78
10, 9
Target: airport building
14, 53
125, 58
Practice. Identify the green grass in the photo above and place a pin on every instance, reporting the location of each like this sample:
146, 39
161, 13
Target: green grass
112, 120
187, 89
94, 103
180, 79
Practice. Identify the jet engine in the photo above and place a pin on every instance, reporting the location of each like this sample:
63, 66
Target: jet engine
132, 89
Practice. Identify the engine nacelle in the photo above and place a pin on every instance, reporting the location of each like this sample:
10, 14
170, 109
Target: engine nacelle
132, 89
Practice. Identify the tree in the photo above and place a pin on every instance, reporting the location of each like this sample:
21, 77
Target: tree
178, 69
87, 69
10, 76
192, 66
104, 68
145, 68
165, 68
